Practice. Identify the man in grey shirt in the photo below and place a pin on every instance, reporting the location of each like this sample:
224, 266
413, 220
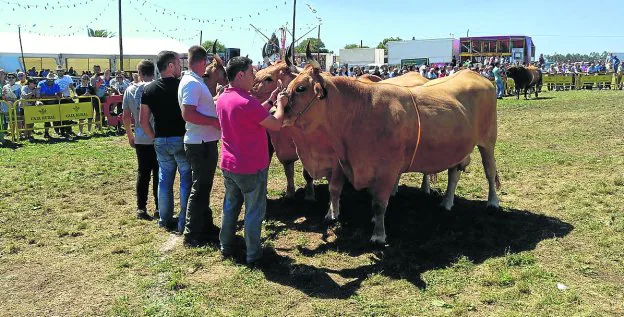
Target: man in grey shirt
144, 146
200, 144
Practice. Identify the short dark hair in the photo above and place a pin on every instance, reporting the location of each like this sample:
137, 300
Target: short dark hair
196, 54
164, 58
146, 68
237, 64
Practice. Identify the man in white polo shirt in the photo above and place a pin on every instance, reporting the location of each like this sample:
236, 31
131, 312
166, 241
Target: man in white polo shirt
200, 144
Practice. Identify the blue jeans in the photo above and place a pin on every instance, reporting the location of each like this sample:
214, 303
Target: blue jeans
250, 189
170, 154
500, 88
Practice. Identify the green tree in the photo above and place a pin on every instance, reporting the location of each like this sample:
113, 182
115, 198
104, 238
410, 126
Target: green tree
208, 46
576, 57
100, 33
384, 44
315, 46
348, 46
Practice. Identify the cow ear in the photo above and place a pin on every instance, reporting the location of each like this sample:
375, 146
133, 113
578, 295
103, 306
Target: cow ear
320, 91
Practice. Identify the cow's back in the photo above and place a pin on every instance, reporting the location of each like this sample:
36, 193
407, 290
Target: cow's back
457, 113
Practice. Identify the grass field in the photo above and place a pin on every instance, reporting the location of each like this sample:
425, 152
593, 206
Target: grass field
70, 244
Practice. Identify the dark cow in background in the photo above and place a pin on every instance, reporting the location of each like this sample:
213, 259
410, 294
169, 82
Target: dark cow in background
525, 78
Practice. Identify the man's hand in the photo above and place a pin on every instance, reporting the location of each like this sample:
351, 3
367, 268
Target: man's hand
131, 141
277, 90
282, 99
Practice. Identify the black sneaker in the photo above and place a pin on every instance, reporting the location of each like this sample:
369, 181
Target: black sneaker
142, 214
156, 214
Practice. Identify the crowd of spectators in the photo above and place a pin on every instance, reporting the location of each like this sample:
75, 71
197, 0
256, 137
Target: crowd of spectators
61, 85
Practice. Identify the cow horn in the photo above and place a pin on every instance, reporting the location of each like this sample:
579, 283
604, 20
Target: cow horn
310, 58
214, 47
264, 51
289, 55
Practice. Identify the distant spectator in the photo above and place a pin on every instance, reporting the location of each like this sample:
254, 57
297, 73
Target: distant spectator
119, 84
32, 72
2, 77
29, 91
21, 78
12, 90
48, 89
85, 89
71, 72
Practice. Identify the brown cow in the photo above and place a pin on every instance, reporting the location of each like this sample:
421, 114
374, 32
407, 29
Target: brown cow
266, 81
380, 131
215, 72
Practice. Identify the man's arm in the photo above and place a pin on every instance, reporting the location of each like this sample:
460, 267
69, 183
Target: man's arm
274, 122
190, 95
127, 120
190, 114
269, 103
144, 120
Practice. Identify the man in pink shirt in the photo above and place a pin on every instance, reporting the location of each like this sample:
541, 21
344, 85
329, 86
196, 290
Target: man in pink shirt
244, 155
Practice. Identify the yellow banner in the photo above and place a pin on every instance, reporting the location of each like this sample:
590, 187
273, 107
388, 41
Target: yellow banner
34, 114
81, 110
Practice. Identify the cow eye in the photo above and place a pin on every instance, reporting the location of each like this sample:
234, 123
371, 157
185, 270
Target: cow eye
300, 89
269, 79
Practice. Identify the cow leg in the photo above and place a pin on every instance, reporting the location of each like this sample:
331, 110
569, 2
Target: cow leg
395, 189
425, 187
309, 189
489, 165
517, 93
453, 179
449, 196
381, 194
289, 170
525, 94
336, 182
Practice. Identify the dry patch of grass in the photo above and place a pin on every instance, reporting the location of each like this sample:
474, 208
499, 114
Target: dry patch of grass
70, 245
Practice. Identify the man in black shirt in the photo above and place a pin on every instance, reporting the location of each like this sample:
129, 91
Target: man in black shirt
160, 99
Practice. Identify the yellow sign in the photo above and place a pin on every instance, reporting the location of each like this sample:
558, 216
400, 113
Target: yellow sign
72, 111
34, 114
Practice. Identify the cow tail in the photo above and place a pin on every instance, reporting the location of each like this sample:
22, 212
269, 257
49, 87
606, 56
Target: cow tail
497, 181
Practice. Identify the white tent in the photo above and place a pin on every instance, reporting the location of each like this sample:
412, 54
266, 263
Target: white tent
80, 47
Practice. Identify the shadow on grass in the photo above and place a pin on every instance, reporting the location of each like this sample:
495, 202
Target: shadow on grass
421, 237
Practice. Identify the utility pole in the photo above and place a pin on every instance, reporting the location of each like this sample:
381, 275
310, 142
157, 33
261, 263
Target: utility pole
19, 34
360, 43
200, 37
318, 38
293, 29
120, 41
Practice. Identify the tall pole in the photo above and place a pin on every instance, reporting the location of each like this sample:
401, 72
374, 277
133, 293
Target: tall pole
201, 33
120, 41
19, 34
318, 38
293, 29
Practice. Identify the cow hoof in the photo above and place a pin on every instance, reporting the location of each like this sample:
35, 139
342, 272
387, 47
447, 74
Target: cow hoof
493, 204
309, 196
290, 194
446, 206
379, 240
330, 218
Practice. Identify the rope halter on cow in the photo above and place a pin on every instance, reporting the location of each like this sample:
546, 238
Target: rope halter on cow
300, 113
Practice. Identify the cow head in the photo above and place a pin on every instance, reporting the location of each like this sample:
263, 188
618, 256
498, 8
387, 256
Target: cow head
307, 95
514, 72
266, 80
215, 72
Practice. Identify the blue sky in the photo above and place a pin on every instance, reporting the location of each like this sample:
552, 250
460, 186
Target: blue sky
556, 26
